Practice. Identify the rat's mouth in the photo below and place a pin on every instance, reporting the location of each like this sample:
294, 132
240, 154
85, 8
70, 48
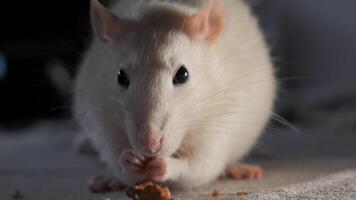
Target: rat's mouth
180, 153
148, 154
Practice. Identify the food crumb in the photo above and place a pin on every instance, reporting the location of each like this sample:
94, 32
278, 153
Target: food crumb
148, 190
241, 194
215, 193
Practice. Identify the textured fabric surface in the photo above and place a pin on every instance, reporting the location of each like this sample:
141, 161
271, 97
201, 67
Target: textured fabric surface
337, 186
42, 163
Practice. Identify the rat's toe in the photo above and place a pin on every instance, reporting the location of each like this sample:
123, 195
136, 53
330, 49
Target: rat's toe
242, 171
101, 184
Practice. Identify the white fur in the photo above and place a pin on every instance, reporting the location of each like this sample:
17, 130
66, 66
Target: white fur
222, 110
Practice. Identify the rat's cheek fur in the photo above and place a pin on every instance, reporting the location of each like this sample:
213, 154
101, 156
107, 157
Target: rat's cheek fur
130, 132
173, 143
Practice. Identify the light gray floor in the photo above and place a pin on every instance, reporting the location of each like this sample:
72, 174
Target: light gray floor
43, 164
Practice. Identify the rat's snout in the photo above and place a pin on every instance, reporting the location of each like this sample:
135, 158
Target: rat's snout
151, 141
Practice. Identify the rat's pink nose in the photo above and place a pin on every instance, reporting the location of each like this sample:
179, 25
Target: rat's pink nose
152, 143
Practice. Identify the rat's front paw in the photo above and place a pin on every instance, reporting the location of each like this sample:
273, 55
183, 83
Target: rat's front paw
156, 169
131, 163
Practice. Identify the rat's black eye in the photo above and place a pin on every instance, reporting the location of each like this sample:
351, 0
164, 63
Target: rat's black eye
122, 79
182, 76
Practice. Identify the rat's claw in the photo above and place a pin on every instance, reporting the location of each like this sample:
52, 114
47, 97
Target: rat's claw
157, 169
131, 163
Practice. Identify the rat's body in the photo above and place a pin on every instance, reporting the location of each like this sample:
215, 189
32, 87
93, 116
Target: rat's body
203, 125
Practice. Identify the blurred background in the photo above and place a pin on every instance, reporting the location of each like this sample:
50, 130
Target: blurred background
32, 35
313, 46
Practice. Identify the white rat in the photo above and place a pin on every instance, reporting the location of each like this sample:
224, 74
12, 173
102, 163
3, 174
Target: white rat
172, 92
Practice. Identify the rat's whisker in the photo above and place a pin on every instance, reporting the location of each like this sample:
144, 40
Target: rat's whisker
225, 91
283, 121
121, 103
221, 124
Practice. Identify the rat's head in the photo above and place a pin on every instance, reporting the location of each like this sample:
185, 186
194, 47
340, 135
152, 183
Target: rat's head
158, 63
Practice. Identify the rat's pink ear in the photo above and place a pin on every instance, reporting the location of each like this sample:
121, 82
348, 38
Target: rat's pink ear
106, 25
208, 24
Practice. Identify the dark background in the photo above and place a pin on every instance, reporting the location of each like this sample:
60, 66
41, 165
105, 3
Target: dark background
32, 33
313, 45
